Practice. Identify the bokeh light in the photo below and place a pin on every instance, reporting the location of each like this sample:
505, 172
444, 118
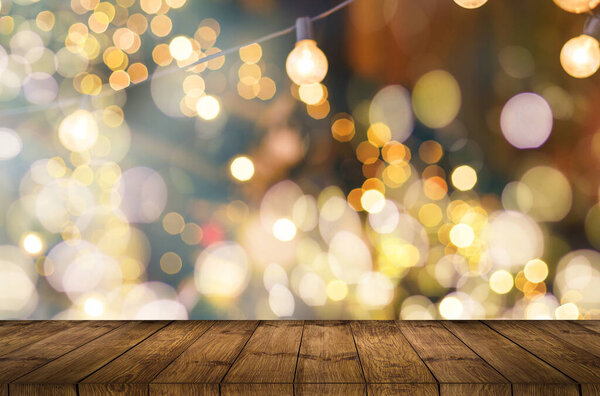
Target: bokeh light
526, 120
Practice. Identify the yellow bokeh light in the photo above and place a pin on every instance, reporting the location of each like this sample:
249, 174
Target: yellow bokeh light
251, 53
464, 177
242, 168
208, 107
436, 99
173, 223
462, 235
33, 243
180, 48
535, 271
342, 129
568, 311
451, 308
78, 131
577, 6
470, 4
93, 307
284, 229
580, 56
337, 290
312, 94
379, 134
501, 282
372, 201
170, 263
430, 215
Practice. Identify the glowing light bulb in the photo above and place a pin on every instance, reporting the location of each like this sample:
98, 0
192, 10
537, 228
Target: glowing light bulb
580, 56
577, 6
306, 64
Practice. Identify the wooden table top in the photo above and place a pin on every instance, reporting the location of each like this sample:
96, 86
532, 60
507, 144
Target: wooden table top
300, 358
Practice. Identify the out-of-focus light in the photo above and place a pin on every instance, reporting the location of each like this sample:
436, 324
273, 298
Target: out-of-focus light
464, 178
375, 290
337, 290
78, 131
284, 230
222, 270
173, 223
311, 94
451, 308
436, 99
208, 107
170, 263
577, 6
93, 307
391, 106
535, 271
281, 301
580, 56
501, 282
242, 168
462, 235
373, 201
32, 243
568, 311
180, 48
545, 193
10, 144
526, 120
306, 64
470, 3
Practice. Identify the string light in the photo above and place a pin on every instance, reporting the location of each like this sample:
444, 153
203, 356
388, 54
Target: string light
306, 64
580, 56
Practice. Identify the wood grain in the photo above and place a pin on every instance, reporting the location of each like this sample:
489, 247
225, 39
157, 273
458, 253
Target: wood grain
330, 389
575, 362
184, 389
113, 389
402, 389
269, 356
43, 390
81, 362
257, 389
328, 354
208, 359
475, 389
509, 359
386, 355
573, 333
143, 362
28, 358
31, 333
545, 390
447, 357
3, 389
593, 325
590, 389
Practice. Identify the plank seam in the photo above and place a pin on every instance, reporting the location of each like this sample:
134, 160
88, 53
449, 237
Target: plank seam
74, 349
527, 350
298, 357
357, 354
181, 353
239, 353
419, 356
121, 354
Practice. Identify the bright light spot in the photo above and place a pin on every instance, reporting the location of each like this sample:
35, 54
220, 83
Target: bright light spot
451, 308
391, 106
568, 311
436, 99
470, 3
93, 307
311, 94
180, 48
208, 107
501, 282
32, 243
337, 290
10, 144
284, 230
242, 168
375, 290
281, 301
464, 178
545, 193
462, 235
577, 6
312, 290
580, 56
535, 271
306, 64
373, 201
526, 120
222, 270
78, 131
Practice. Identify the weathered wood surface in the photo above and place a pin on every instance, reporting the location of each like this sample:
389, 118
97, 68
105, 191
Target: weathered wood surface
346, 358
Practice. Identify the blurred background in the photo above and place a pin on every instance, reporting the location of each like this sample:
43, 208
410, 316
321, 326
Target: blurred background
446, 167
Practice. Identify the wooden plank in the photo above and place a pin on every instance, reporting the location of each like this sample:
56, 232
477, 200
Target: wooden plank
509, 359
10, 326
575, 362
113, 389
330, 389
447, 357
475, 389
143, 362
26, 359
545, 390
3, 389
402, 389
257, 389
43, 389
269, 356
590, 389
593, 325
386, 356
32, 333
184, 389
81, 362
572, 333
208, 359
328, 354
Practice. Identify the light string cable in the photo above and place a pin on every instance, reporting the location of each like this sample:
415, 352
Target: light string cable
173, 69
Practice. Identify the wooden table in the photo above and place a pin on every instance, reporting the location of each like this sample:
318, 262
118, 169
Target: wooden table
300, 358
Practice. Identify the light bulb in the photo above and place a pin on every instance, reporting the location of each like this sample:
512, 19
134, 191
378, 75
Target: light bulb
580, 56
577, 6
306, 64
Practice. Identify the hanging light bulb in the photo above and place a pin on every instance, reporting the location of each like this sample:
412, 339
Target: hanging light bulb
577, 6
306, 64
580, 56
